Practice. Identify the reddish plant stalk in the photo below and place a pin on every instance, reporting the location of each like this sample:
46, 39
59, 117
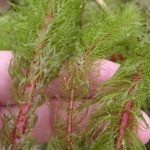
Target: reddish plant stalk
21, 123
136, 80
22, 119
70, 117
124, 123
29, 91
126, 114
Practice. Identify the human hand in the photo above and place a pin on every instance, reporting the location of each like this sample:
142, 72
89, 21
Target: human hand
44, 127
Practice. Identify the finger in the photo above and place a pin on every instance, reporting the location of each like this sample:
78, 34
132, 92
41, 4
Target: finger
81, 120
44, 126
101, 71
5, 81
143, 131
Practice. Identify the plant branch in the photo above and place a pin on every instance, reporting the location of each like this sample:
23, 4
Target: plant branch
70, 116
29, 90
124, 122
126, 114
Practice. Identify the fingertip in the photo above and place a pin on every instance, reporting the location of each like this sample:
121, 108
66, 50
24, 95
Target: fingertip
101, 71
107, 69
143, 131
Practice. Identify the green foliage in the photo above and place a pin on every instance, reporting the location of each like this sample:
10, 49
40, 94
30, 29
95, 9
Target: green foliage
108, 31
4, 32
48, 35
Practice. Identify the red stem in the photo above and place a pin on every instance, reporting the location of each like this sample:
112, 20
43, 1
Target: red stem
22, 118
124, 123
69, 123
21, 123
126, 114
70, 117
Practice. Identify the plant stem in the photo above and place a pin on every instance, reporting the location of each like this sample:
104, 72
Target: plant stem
29, 90
22, 118
21, 122
70, 116
126, 114
124, 122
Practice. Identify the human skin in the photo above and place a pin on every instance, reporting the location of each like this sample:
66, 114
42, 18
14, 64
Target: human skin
45, 126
